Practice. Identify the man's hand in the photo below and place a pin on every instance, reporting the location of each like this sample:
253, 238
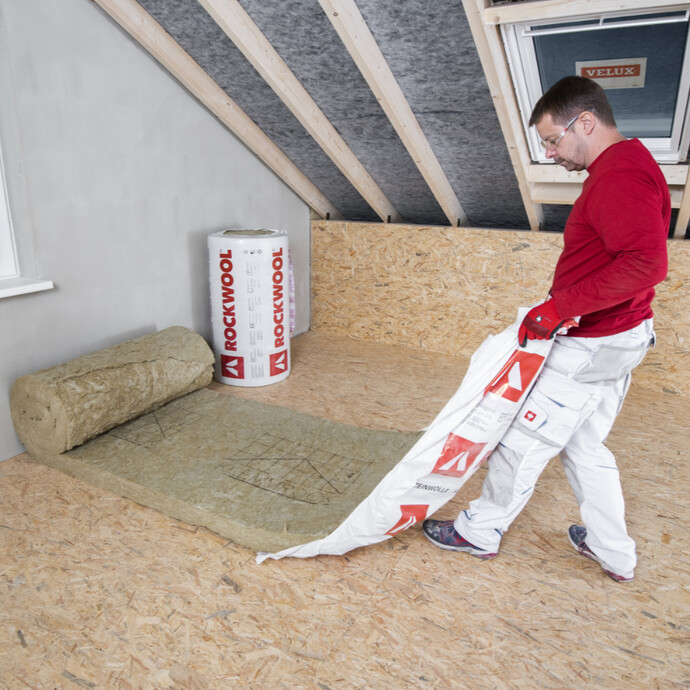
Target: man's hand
541, 323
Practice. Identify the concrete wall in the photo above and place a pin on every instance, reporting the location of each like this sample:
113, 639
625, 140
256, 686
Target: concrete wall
115, 177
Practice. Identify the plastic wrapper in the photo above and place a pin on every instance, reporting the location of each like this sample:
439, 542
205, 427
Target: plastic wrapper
250, 306
458, 441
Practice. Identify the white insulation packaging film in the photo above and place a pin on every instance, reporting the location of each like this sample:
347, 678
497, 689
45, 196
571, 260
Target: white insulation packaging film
250, 306
452, 448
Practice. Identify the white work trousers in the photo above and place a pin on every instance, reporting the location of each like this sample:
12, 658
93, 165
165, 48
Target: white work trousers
570, 411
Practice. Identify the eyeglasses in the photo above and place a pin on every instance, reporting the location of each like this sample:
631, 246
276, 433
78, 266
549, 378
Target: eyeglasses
551, 143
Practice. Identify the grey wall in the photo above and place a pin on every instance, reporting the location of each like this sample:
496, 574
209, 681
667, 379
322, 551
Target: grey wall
115, 178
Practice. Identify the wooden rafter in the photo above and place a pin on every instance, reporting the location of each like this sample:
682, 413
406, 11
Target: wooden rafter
495, 65
544, 10
354, 32
247, 36
147, 32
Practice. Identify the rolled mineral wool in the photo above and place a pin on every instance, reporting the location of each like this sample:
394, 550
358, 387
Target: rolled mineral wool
59, 408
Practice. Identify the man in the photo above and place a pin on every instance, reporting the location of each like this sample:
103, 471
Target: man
614, 254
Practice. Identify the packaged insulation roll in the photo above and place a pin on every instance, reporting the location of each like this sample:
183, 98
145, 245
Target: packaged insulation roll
458, 441
250, 306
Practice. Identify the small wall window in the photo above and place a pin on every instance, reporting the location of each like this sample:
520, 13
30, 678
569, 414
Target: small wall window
11, 281
8, 253
642, 60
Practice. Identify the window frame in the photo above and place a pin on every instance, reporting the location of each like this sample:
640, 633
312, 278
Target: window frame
521, 55
9, 264
12, 282
19, 273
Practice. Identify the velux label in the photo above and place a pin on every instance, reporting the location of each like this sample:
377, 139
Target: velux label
626, 73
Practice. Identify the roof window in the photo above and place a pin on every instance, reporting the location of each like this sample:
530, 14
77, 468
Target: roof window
642, 60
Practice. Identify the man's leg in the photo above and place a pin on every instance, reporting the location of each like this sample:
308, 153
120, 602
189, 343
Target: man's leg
512, 474
593, 475
590, 466
554, 409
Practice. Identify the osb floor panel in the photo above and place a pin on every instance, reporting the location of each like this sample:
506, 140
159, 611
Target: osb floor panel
99, 592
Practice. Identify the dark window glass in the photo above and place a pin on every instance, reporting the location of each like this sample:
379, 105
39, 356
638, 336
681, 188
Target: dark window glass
639, 112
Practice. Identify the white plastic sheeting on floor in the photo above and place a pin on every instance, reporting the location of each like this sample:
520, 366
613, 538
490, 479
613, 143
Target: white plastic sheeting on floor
457, 442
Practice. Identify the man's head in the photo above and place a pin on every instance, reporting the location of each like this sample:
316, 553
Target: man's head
575, 122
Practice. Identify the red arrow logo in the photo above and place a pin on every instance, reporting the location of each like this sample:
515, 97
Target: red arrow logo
232, 367
516, 375
457, 456
410, 515
278, 362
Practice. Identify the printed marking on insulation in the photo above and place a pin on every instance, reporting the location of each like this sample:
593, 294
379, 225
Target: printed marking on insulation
157, 425
227, 282
432, 488
294, 470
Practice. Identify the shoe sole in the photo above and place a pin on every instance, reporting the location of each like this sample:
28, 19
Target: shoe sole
461, 549
614, 576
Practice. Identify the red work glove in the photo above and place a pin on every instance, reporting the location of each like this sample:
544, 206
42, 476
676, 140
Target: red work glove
541, 323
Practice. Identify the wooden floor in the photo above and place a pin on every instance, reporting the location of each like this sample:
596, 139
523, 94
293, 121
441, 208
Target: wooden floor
99, 592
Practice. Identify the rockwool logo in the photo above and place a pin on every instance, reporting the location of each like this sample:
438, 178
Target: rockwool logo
278, 362
410, 515
457, 456
278, 308
227, 282
516, 375
232, 367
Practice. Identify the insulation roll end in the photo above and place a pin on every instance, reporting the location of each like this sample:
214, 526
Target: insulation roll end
38, 417
56, 409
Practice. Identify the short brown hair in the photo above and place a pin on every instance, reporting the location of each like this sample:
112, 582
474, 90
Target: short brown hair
571, 96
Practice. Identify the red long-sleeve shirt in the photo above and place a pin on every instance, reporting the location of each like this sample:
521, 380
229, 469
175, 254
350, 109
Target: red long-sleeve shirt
614, 243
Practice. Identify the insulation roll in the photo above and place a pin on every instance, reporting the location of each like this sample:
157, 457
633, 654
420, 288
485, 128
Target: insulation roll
59, 408
250, 306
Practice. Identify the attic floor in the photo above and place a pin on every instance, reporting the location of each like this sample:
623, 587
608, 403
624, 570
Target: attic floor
99, 592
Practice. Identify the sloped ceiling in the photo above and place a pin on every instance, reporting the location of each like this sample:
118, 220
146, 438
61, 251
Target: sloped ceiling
428, 47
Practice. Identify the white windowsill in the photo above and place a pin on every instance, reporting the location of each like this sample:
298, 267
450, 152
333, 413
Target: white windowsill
19, 285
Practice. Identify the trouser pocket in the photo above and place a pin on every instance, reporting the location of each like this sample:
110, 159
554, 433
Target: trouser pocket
556, 406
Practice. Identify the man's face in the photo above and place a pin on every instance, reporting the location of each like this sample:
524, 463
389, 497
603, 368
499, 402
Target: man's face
565, 149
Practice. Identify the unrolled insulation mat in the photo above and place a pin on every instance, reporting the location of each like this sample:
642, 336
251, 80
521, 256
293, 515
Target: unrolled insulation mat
266, 477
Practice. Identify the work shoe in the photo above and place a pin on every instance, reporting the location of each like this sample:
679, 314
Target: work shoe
443, 534
577, 535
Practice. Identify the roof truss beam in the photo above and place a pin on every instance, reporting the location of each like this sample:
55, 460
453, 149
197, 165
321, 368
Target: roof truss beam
490, 48
247, 36
151, 35
355, 34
